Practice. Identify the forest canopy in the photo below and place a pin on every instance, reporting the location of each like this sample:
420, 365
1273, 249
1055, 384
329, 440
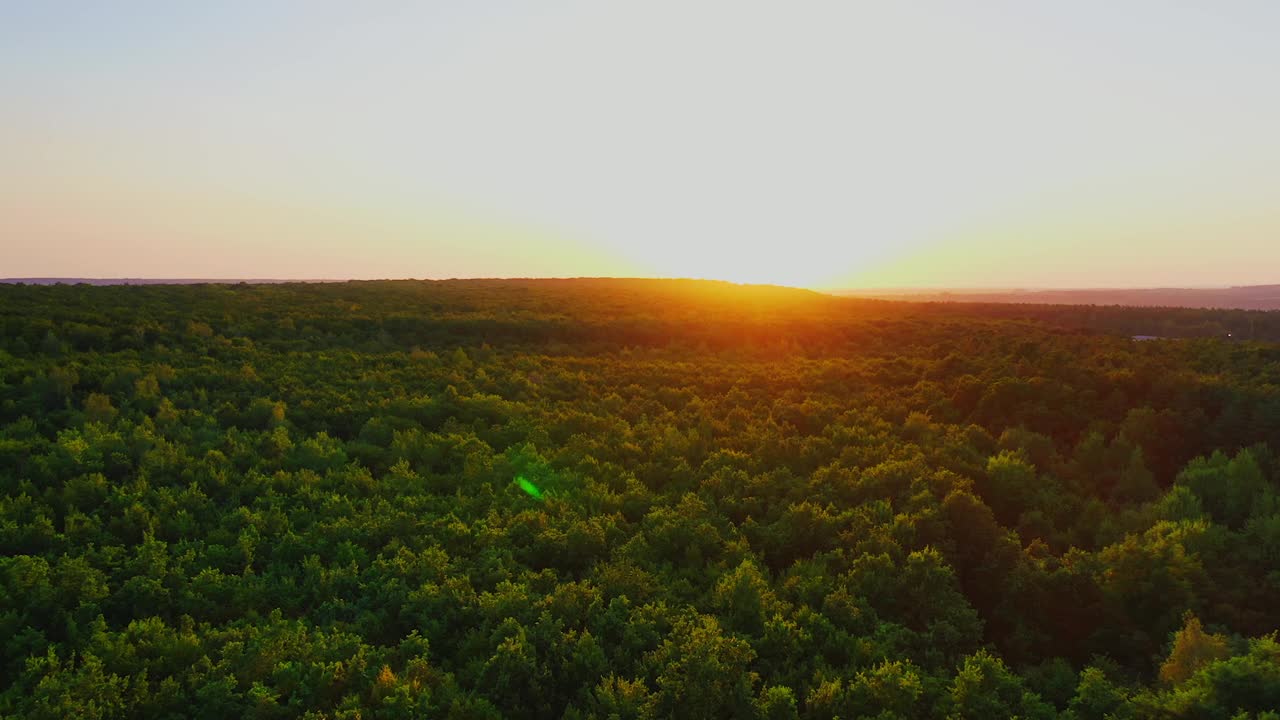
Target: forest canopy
631, 499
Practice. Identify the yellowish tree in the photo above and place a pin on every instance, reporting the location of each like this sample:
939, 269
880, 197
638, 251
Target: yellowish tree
1193, 648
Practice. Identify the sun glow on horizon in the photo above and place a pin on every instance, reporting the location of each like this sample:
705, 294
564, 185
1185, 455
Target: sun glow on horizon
824, 145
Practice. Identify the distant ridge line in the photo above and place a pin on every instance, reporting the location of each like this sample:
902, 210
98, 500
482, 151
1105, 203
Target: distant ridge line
280, 281
1238, 297
160, 281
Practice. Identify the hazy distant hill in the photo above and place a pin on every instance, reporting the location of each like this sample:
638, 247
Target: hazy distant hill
1250, 297
150, 281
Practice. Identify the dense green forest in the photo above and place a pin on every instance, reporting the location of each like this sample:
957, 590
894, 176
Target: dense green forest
631, 499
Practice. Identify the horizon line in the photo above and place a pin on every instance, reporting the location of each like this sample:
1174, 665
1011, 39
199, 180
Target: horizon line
161, 280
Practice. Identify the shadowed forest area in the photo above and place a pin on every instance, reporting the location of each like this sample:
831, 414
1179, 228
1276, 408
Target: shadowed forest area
631, 499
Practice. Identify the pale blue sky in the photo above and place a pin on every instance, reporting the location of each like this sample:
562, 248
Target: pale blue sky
832, 143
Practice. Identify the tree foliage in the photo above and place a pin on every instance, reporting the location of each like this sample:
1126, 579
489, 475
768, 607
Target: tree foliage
303, 500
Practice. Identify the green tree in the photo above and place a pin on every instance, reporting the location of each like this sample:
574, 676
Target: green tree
702, 673
98, 409
984, 688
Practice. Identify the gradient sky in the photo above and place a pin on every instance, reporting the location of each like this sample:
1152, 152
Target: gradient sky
997, 144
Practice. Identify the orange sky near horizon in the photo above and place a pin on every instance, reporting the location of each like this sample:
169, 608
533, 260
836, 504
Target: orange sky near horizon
821, 144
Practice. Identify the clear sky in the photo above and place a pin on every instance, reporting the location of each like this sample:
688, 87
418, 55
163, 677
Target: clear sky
1083, 143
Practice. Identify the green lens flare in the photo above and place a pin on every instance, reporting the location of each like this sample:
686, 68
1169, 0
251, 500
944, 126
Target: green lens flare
529, 488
